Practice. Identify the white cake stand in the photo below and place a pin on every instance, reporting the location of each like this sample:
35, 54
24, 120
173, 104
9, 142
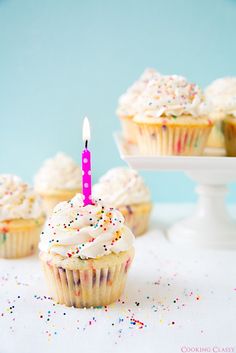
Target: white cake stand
211, 225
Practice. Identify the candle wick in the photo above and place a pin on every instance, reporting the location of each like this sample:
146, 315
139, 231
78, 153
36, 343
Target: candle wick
86, 144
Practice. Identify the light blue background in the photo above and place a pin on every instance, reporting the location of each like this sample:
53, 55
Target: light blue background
60, 60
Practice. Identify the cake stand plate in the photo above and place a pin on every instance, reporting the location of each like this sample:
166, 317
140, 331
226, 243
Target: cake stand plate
211, 225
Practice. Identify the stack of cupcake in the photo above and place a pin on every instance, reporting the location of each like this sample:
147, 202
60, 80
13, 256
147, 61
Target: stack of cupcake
86, 249
167, 115
170, 117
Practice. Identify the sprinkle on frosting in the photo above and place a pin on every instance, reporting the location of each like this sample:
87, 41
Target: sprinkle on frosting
91, 231
221, 95
17, 199
169, 97
58, 173
121, 187
127, 102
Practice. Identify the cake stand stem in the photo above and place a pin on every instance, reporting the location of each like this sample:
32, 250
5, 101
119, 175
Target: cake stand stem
211, 225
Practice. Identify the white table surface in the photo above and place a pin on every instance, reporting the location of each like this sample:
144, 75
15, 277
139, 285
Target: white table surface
182, 301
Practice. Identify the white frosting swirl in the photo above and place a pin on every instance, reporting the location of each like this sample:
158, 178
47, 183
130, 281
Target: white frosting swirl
91, 231
58, 173
17, 199
221, 95
122, 187
127, 102
169, 96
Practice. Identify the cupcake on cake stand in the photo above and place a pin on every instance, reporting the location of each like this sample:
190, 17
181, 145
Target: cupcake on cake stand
172, 126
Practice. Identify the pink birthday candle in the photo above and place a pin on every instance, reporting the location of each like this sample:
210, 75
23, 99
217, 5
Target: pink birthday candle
86, 165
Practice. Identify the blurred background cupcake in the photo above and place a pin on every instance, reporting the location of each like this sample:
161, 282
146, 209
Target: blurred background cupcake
171, 118
125, 189
127, 104
86, 252
59, 179
21, 217
221, 96
229, 128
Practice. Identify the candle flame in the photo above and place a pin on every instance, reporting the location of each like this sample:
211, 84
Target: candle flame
86, 130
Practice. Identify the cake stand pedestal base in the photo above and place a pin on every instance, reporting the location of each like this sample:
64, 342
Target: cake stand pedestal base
211, 225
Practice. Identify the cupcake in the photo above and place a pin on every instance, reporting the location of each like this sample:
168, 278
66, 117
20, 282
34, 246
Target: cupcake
170, 118
86, 252
127, 105
221, 96
21, 218
124, 189
59, 179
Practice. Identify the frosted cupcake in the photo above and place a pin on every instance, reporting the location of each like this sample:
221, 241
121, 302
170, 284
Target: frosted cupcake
125, 189
86, 252
127, 105
59, 179
21, 218
221, 95
170, 119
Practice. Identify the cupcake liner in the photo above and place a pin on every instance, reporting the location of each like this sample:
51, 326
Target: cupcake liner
90, 286
229, 127
50, 200
216, 138
137, 217
182, 140
129, 129
16, 242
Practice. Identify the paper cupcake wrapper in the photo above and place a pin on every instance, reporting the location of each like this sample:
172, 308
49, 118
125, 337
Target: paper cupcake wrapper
137, 217
90, 287
16, 243
229, 127
129, 129
216, 138
163, 140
